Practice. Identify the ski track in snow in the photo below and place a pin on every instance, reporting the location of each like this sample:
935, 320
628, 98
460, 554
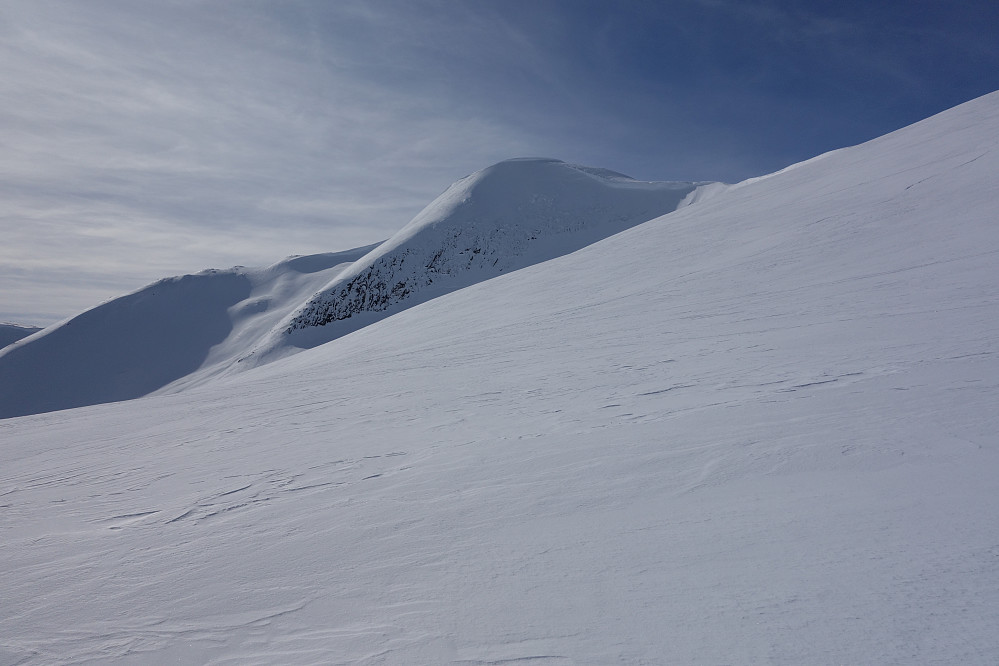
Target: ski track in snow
761, 429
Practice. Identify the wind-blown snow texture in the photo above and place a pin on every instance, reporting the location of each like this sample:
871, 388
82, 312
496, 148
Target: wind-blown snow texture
760, 429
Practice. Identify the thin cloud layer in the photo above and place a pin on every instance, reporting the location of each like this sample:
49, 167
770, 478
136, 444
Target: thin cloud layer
149, 140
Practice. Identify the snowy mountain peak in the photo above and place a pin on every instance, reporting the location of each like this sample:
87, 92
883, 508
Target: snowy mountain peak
182, 331
510, 215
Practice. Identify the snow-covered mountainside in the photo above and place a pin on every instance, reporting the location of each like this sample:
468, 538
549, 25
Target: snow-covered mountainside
759, 429
176, 330
10, 333
511, 215
182, 331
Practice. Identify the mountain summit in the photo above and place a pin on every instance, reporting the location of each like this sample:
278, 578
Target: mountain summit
181, 331
508, 216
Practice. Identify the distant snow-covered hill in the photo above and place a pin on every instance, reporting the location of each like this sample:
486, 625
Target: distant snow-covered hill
10, 333
163, 333
182, 331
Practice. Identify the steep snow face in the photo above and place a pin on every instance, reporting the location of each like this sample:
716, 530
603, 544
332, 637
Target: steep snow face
508, 216
11, 333
178, 330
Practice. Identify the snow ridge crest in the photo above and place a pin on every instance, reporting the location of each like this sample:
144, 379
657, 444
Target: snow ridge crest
508, 216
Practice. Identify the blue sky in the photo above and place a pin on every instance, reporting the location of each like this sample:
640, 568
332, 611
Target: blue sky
141, 140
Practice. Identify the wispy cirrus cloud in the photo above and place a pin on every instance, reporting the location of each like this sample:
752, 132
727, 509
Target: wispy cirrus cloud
146, 140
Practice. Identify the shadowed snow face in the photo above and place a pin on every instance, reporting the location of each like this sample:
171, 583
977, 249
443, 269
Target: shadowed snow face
124, 349
176, 331
10, 333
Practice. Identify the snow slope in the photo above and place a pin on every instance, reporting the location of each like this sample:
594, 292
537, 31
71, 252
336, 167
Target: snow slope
178, 330
761, 429
505, 217
181, 331
10, 333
